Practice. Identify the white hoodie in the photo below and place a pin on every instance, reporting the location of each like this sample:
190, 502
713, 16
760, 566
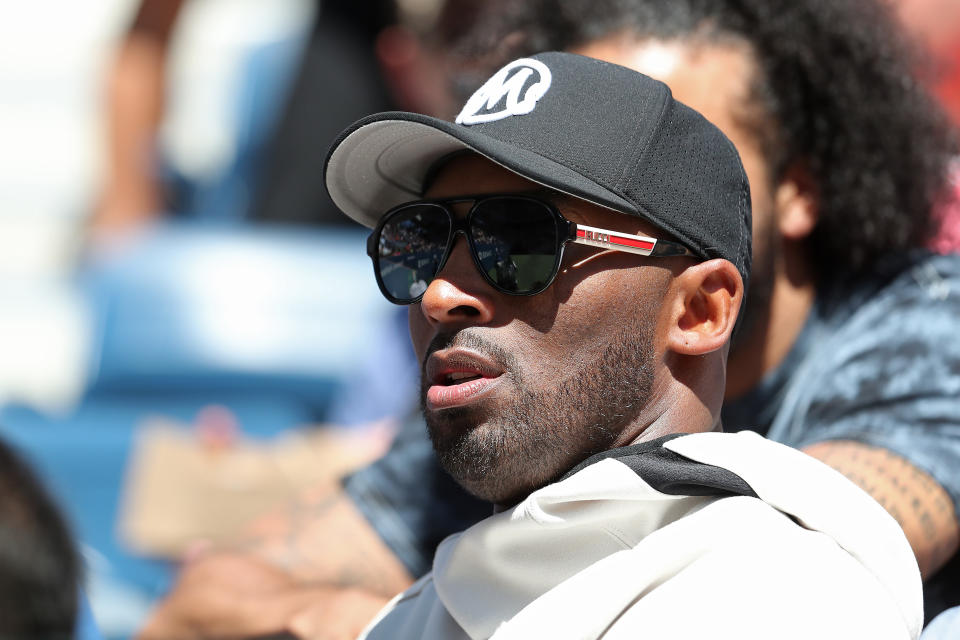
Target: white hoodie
708, 535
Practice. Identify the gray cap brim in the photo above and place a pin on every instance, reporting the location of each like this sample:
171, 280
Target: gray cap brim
382, 161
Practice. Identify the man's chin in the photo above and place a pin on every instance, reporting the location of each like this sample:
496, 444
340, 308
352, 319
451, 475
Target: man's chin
500, 492
477, 457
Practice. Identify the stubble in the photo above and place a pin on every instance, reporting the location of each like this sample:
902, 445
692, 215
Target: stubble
548, 430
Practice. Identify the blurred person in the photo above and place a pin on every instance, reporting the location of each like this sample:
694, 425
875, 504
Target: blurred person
40, 570
572, 371
847, 349
339, 59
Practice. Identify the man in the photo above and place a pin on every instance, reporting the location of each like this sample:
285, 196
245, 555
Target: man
846, 351
850, 354
586, 308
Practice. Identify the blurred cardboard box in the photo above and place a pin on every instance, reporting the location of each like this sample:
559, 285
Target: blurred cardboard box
180, 489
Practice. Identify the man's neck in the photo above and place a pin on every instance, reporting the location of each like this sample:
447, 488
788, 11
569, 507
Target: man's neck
770, 338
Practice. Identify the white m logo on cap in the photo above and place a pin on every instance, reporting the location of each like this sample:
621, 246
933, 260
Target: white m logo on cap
502, 86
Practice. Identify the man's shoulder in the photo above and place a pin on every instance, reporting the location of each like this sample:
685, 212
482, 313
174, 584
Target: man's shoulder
910, 306
921, 280
927, 278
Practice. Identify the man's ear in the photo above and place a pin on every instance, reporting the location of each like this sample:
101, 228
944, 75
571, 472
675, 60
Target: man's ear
796, 201
705, 302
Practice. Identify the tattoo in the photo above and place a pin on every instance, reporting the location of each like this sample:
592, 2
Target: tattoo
909, 494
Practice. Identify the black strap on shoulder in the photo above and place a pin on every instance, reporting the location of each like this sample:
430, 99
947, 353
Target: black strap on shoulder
669, 472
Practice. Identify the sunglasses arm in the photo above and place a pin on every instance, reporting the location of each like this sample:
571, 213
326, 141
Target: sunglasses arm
640, 245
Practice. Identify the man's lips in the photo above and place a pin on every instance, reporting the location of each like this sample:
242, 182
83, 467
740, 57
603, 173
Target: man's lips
457, 377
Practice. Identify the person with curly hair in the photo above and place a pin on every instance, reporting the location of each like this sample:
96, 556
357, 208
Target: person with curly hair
848, 349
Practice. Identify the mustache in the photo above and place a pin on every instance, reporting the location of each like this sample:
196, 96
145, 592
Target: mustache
471, 339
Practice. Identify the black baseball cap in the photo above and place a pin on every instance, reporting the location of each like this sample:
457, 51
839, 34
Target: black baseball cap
587, 128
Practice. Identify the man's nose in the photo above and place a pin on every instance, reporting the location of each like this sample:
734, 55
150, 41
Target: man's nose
459, 294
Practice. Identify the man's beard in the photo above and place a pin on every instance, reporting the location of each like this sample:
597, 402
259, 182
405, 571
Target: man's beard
544, 433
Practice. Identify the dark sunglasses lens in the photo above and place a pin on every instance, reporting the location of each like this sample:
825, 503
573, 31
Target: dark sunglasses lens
410, 248
516, 243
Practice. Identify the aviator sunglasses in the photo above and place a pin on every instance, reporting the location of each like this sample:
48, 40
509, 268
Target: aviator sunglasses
516, 242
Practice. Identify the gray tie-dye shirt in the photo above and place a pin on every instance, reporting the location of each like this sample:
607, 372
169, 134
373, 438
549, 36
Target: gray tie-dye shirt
878, 362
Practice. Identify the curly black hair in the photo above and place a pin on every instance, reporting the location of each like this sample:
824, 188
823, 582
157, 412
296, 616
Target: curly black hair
835, 78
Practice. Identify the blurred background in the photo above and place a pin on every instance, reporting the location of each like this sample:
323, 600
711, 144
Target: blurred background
188, 332
174, 289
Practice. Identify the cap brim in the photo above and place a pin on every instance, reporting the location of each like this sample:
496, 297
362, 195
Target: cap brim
382, 161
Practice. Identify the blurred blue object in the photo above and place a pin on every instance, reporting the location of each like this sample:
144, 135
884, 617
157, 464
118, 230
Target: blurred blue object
387, 382
275, 324
226, 198
270, 323
86, 625
265, 310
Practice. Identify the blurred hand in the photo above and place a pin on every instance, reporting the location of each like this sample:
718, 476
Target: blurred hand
236, 596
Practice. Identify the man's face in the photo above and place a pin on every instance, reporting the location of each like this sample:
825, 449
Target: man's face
517, 390
716, 81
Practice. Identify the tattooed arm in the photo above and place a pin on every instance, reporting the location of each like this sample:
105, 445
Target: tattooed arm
921, 506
